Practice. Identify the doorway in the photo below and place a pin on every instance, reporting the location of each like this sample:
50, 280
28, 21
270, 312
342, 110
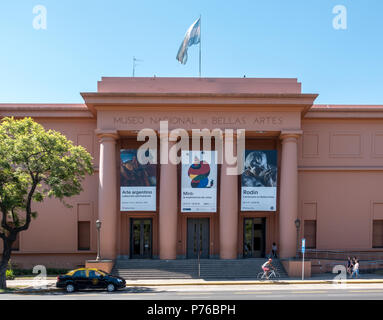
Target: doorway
254, 242
198, 238
141, 238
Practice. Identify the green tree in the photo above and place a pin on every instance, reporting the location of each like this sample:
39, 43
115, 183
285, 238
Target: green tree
34, 164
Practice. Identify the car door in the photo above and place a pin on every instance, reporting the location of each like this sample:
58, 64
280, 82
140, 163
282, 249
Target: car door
80, 279
96, 280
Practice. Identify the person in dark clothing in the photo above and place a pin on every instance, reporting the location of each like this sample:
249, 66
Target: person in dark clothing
349, 266
274, 250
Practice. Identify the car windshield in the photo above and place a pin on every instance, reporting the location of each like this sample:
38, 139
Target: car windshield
102, 272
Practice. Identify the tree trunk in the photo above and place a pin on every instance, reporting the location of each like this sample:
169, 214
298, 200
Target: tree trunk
6, 256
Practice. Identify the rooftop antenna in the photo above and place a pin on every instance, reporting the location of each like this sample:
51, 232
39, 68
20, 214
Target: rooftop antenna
135, 64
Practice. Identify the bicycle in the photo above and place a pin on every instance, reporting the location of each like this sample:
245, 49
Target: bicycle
273, 274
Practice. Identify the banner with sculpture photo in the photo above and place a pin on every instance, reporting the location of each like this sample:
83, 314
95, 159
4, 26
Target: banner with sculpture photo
259, 181
198, 181
137, 183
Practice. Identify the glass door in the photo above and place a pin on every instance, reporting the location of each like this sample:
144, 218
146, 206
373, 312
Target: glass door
254, 233
141, 238
198, 238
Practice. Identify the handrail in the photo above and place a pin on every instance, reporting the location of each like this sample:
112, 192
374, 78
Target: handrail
364, 265
343, 254
344, 251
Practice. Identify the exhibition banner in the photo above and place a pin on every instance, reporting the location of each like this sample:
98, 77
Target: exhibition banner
259, 181
198, 181
137, 183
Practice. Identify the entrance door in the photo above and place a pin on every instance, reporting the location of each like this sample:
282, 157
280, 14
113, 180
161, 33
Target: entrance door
198, 238
254, 242
141, 238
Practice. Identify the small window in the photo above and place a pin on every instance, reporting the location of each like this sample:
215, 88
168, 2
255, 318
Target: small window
310, 233
377, 234
83, 235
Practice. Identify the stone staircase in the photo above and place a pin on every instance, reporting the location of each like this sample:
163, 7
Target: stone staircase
212, 269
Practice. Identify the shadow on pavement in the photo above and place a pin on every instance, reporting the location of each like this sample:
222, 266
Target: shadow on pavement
55, 291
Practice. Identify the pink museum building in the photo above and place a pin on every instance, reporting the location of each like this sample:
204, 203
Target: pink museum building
327, 168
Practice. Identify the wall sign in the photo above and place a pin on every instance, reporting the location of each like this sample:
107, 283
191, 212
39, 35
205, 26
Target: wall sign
198, 181
137, 183
259, 181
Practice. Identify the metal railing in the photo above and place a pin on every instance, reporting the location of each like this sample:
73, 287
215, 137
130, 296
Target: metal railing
367, 255
370, 260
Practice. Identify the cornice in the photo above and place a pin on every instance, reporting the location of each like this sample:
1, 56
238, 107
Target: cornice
45, 110
345, 112
194, 101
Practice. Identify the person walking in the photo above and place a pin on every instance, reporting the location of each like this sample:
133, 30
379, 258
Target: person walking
274, 250
355, 269
349, 266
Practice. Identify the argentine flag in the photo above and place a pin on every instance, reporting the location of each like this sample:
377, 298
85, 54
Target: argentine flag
192, 36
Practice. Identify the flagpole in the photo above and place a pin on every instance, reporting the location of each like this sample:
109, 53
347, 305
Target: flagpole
200, 40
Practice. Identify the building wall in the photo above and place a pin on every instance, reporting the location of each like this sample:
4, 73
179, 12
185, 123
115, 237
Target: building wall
341, 180
125, 217
340, 186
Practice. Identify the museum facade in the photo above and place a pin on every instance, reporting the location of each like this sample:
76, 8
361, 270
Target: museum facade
312, 171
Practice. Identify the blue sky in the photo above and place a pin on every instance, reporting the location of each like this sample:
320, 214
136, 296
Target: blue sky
88, 39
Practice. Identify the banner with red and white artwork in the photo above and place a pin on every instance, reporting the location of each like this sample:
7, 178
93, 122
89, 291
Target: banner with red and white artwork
198, 181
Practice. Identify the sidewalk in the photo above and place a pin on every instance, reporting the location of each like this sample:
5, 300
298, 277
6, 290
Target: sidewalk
30, 286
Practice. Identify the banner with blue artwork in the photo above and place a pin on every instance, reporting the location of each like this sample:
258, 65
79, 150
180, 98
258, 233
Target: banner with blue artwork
198, 181
137, 183
259, 181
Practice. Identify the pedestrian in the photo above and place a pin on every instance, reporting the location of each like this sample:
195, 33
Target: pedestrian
355, 269
349, 266
274, 250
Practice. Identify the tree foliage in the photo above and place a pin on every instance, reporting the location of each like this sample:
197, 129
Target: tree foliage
34, 164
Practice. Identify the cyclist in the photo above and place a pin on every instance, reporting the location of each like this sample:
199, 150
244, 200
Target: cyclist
266, 268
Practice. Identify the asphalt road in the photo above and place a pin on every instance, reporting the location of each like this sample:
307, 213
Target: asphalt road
270, 292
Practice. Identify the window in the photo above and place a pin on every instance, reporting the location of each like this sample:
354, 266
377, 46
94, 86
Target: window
310, 233
80, 274
83, 235
94, 274
377, 234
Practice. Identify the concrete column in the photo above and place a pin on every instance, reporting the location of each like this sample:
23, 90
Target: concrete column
168, 204
107, 195
288, 212
228, 216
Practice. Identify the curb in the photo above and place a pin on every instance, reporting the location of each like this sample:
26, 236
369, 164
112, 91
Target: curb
282, 282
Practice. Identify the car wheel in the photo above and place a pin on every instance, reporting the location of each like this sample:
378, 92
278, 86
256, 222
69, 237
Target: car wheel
111, 287
70, 288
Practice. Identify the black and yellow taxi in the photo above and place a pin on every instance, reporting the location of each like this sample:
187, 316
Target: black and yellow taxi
89, 278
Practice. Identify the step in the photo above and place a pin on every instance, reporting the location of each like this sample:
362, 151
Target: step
188, 269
